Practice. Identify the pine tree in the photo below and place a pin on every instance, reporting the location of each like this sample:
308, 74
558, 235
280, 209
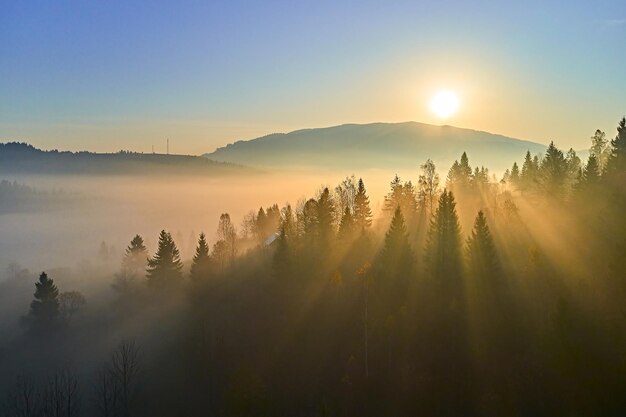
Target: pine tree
554, 172
528, 177
346, 226
44, 309
325, 217
135, 255
395, 262
514, 178
616, 164
165, 267
481, 253
201, 260
443, 245
362, 210
591, 172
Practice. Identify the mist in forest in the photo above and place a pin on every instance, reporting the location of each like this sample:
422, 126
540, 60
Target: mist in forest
441, 291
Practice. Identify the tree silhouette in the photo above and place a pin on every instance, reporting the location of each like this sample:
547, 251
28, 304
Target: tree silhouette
396, 256
165, 267
135, 255
362, 210
44, 309
346, 226
600, 149
554, 172
325, 217
428, 187
481, 253
616, 164
443, 245
226, 233
201, 260
591, 172
514, 177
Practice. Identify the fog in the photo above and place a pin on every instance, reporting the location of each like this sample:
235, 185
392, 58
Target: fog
441, 290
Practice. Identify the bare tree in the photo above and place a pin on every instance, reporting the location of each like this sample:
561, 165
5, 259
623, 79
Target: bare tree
125, 373
23, 400
61, 396
106, 392
428, 186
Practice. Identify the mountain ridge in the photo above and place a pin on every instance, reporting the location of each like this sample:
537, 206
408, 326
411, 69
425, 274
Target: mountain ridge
376, 145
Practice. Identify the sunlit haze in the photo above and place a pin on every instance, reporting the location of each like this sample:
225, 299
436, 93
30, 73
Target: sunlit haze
312, 208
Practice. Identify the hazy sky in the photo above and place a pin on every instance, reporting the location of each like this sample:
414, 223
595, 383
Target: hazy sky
111, 75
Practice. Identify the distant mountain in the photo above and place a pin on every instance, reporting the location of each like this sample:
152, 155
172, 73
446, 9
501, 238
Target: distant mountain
377, 145
22, 158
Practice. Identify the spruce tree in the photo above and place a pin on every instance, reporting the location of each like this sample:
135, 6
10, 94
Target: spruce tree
443, 245
482, 258
591, 172
135, 256
616, 164
554, 172
395, 262
165, 267
201, 260
514, 177
346, 226
362, 210
325, 217
44, 309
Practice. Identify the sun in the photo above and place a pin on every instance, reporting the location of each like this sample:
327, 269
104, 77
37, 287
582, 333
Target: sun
444, 104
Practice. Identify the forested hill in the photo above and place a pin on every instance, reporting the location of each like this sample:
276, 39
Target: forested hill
22, 158
376, 145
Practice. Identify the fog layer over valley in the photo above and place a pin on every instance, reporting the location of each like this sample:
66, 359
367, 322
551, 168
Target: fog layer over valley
435, 290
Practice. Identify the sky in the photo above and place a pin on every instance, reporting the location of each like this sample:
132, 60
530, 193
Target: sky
110, 75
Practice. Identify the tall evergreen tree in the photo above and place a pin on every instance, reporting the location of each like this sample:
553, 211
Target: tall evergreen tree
395, 262
165, 267
616, 164
591, 172
514, 178
443, 245
346, 226
362, 210
135, 255
554, 172
44, 309
201, 260
481, 253
325, 217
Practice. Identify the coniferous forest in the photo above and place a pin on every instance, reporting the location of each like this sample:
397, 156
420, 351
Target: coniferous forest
463, 295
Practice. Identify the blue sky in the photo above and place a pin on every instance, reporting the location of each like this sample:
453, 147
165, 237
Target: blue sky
110, 75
